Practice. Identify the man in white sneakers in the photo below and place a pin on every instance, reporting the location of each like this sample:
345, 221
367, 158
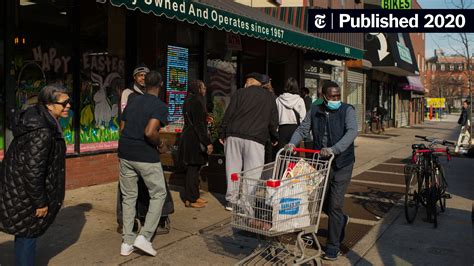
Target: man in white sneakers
138, 153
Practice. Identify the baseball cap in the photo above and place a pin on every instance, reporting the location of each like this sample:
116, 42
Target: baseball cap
141, 68
257, 76
265, 79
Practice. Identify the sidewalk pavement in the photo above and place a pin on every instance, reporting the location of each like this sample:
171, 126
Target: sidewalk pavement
85, 230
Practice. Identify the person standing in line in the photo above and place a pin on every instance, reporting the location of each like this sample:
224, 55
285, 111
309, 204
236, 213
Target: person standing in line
249, 120
195, 144
334, 129
267, 84
137, 87
291, 111
306, 98
138, 155
464, 139
32, 178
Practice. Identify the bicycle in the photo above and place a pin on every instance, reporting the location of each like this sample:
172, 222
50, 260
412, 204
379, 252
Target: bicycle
425, 180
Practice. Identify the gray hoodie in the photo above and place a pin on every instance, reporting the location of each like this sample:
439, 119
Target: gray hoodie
286, 103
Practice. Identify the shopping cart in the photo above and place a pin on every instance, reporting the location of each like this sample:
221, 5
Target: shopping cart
279, 201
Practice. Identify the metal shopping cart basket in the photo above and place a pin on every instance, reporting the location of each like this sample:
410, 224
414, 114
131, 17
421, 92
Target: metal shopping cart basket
279, 201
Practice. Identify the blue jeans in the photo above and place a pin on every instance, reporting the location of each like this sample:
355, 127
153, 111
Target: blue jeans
25, 251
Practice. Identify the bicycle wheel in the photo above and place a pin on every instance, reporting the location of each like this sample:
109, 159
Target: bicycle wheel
442, 188
431, 204
411, 193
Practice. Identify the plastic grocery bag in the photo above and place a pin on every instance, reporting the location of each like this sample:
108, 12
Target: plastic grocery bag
304, 171
290, 208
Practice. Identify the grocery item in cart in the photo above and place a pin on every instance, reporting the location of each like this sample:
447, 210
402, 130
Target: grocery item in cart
290, 208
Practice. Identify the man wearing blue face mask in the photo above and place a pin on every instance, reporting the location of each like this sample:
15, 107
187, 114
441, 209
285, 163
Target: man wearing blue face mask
334, 128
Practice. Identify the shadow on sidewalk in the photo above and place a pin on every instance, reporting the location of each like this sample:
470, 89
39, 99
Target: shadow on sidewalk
61, 235
421, 244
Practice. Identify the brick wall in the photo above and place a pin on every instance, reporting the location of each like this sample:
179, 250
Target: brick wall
91, 170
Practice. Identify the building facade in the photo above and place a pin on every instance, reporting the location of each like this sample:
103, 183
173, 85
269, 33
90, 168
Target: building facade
92, 48
448, 77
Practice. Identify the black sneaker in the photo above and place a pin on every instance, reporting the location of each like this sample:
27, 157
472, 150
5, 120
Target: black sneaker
343, 232
331, 256
164, 226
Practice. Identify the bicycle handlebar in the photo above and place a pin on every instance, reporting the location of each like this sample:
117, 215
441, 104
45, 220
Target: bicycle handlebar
435, 141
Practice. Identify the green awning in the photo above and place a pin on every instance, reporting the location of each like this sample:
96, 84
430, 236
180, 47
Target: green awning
242, 20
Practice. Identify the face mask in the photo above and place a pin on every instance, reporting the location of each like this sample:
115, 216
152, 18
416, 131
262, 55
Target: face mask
332, 105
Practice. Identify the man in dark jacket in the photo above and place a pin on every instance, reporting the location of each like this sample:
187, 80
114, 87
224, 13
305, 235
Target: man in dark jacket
32, 178
464, 139
334, 128
249, 119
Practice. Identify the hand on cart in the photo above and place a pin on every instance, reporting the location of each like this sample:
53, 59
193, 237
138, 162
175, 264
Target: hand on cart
326, 152
290, 148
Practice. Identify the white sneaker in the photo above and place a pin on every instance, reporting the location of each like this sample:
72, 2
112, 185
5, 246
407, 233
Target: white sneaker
126, 249
228, 206
144, 245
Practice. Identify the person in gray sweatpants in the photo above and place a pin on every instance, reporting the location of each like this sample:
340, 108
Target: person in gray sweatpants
249, 120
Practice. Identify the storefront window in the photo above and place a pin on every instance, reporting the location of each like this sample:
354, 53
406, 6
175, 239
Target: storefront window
42, 54
102, 43
222, 49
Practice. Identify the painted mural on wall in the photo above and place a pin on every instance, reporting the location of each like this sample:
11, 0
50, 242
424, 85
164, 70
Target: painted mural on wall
101, 85
35, 71
99, 108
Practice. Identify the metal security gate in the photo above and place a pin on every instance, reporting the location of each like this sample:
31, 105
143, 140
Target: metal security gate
355, 95
403, 112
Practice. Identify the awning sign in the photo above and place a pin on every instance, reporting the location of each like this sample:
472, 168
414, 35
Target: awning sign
205, 15
436, 102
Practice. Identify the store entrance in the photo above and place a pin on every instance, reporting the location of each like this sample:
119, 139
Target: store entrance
276, 72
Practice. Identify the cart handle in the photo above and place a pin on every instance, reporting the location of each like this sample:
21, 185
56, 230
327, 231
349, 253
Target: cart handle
306, 150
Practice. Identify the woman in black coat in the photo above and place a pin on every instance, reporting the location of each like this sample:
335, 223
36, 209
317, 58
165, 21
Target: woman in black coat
195, 144
32, 178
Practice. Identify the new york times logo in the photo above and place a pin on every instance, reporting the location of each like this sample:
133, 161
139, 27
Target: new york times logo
319, 21
388, 20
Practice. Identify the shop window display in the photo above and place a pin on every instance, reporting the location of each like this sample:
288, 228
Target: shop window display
43, 56
102, 76
221, 76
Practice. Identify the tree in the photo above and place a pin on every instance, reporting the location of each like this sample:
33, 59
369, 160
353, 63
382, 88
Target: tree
462, 46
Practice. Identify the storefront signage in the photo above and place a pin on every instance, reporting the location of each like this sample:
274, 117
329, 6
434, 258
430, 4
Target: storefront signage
103, 63
404, 53
396, 4
50, 60
436, 102
176, 81
204, 15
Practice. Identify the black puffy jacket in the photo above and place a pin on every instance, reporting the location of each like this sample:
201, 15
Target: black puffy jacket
32, 175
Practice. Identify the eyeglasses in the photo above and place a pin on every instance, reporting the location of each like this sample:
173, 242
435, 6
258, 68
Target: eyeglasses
65, 103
